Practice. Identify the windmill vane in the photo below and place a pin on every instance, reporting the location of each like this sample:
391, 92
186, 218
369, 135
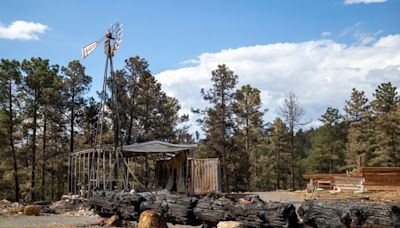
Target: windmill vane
112, 39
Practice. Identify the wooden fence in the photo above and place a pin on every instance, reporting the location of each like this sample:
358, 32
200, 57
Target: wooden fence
205, 176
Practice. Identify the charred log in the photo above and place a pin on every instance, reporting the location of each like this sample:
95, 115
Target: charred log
209, 210
325, 213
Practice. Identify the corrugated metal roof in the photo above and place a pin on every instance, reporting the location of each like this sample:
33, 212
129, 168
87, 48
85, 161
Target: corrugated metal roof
157, 147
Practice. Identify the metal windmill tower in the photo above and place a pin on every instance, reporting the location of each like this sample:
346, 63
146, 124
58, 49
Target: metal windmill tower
112, 40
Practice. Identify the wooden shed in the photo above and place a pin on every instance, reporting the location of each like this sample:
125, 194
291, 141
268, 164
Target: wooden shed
173, 168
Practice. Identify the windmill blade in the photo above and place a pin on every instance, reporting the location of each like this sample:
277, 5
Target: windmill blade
89, 49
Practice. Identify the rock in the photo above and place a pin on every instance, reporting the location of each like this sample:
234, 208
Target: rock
16, 209
114, 221
100, 221
42, 203
150, 219
48, 210
230, 224
15, 204
5, 201
32, 210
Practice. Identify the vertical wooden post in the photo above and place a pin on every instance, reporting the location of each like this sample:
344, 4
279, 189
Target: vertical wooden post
75, 174
89, 174
79, 173
69, 173
83, 174
104, 170
116, 167
98, 170
110, 170
186, 175
127, 174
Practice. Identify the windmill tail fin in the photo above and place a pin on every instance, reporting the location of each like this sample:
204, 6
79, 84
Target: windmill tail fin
89, 49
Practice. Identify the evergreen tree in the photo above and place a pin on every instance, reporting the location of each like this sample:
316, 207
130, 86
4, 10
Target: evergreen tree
52, 108
39, 76
387, 126
360, 142
279, 158
10, 85
328, 143
77, 83
90, 119
249, 127
217, 122
135, 67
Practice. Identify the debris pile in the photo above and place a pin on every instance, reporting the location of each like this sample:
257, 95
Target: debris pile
72, 205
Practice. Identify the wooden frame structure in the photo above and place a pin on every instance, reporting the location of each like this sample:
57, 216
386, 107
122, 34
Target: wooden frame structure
109, 168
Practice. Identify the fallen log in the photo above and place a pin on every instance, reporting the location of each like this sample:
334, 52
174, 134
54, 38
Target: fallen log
181, 209
340, 213
248, 209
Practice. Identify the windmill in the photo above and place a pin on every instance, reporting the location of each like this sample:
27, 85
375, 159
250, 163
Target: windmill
112, 40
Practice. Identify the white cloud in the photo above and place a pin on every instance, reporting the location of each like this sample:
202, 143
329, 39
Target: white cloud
22, 30
321, 72
326, 34
361, 38
350, 2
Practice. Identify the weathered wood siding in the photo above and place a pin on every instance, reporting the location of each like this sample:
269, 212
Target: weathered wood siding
205, 176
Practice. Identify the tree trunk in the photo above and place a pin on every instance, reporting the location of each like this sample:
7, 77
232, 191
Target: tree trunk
33, 196
292, 159
11, 138
44, 160
71, 143
129, 138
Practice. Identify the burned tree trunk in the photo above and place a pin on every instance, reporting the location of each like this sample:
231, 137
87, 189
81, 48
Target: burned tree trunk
181, 209
326, 213
248, 209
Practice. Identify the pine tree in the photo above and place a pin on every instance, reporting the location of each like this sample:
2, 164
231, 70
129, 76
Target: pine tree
10, 86
249, 127
39, 76
217, 122
279, 158
52, 107
387, 127
360, 142
292, 113
135, 68
328, 143
76, 85
89, 121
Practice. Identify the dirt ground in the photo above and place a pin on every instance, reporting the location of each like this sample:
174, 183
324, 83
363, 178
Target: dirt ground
297, 197
46, 221
373, 196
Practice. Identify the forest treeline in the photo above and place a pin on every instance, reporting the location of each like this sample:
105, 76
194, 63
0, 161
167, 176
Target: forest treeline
46, 113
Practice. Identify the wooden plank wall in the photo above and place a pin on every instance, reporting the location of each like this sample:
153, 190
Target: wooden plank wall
381, 178
205, 176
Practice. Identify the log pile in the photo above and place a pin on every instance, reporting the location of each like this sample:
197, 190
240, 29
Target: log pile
340, 213
209, 210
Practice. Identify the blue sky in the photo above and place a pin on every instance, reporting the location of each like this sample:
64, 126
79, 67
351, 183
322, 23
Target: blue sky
169, 33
